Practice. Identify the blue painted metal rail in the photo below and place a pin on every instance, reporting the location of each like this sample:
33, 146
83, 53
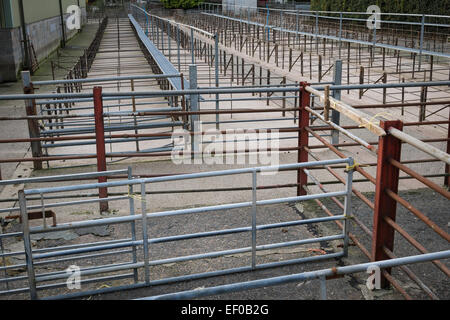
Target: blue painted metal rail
163, 63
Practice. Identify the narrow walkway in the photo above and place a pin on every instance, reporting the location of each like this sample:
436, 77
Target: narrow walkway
119, 55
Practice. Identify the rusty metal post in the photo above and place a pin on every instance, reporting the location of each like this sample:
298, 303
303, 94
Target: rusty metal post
133, 101
361, 80
33, 125
389, 147
447, 167
100, 144
303, 123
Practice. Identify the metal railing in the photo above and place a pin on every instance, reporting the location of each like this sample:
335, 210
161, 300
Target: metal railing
9, 281
302, 19
323, 275
36, 257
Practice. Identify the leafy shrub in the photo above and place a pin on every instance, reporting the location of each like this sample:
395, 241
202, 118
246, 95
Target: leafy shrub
181, 4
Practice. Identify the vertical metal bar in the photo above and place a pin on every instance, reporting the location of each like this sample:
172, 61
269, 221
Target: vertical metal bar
26, 51
33, 126
43, 211
195, 143
100, 144
254, 210
316, 31
348, 205
161, 31
63, 27
168, 40
153, 28
146, 24
145, 234
389, 147
447, 167
27, 245
303, 122
178, 48
361, 80
133, 101
133, 223
216, 66
335, 115
5, 272
374, 33
326, 103
192, 46
340, 34
422, 30
323, 287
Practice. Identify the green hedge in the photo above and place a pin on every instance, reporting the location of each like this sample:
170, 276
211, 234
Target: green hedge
438, 7
181, 4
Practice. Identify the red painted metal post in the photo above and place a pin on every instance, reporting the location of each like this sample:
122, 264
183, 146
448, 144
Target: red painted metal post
387, 178
33, 125
447, 167
303, 122
100, 144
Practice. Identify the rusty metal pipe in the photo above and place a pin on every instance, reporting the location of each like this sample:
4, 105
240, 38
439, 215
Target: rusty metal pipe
134, 155
418, 214
420, 178
143, 135
416, 244
407, 104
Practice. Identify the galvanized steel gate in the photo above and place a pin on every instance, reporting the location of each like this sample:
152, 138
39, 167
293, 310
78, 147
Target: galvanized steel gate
85, 251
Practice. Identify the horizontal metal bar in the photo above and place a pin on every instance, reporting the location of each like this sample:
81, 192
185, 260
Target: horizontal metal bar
61, 204
106, 79
63, 177
243, 229
90, 256
124, 219
188, 176
146, 94
126, 266
86, 281
300, 277
194, 276
113, 128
